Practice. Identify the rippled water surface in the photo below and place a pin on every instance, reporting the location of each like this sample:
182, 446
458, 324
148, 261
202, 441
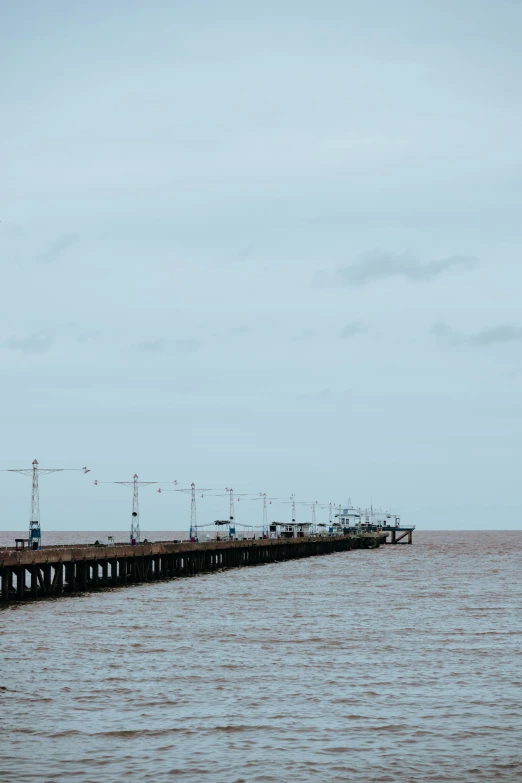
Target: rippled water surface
399, 664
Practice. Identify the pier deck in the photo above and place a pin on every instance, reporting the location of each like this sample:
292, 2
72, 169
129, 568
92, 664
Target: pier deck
54, 571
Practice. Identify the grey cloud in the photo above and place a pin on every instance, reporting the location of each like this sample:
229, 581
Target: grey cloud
242, 330
57, 248
496, 335
187, 346
444, 332
353, 328
35, 343
306, 334
380, 265
14, 230
151, 346
321, 394
243, 254
179, 346
87, 337
505, 333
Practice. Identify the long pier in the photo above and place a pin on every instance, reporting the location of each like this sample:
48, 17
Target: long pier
51, 572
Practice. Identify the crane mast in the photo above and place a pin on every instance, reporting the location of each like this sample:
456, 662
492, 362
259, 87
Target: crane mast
134, 533
193, 518
135, 518
35, 530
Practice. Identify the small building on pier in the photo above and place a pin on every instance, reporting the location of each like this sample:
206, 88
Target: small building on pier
348, 519
295, 530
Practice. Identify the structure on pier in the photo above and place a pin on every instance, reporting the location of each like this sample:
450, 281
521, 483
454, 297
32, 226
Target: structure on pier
398, 533
295, 529
134, 535
375, 521
34, 541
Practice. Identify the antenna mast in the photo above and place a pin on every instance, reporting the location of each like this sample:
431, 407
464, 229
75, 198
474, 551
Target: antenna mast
193, 518
134, 535
266, 502
231, 517
34, 523
35, 531
135, 518
193, 530
231, 491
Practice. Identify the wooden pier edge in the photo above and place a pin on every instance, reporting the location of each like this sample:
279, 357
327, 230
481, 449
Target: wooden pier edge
51, 572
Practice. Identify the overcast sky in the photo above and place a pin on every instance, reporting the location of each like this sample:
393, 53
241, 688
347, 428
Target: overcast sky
269, 245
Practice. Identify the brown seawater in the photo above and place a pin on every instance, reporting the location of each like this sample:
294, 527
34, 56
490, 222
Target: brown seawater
399, 664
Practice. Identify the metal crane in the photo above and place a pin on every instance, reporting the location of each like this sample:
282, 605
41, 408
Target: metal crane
35, 531
135, 517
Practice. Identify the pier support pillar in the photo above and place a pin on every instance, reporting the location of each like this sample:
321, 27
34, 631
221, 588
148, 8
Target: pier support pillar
82, 573
7, 579
46, 570
59, 579
34, 582
20, 582
70, 578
